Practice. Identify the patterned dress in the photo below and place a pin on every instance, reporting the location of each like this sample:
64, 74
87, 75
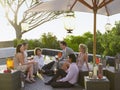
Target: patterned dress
18, 66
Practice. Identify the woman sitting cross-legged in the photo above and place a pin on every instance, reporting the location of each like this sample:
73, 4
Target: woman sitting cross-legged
21, 65
43, 68
65, 79
39, 58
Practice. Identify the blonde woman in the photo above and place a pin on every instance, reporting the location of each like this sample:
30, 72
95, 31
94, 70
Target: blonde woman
82, 60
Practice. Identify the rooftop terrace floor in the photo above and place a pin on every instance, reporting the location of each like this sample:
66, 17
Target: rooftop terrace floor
39, 85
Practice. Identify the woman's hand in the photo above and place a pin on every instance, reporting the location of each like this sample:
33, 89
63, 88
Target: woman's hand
32, 62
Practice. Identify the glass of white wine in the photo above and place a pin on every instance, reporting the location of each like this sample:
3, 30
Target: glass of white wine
55, 70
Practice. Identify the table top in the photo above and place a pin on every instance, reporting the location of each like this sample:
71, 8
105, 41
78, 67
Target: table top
3, 67
104, 79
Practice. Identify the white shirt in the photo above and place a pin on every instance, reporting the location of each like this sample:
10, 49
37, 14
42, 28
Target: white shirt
72, 74
25, 55
39, 60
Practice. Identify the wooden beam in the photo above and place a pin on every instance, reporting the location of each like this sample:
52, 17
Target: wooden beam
108, 14
86, 4
73, 5
104, 3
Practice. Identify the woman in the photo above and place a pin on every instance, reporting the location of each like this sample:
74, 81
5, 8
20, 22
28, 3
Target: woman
38, 58
21, 65
65, 79
25, 51
42, 68
82, 60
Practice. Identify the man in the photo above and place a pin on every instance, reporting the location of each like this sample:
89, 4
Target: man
68, 77
66, 51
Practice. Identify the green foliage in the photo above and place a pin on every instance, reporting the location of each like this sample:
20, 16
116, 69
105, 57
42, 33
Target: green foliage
45, 41
99, 48
117, 28
88, 40
74, 41
49, 41
110, 41
18, 41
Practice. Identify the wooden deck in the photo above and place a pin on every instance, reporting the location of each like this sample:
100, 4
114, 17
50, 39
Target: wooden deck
39, 85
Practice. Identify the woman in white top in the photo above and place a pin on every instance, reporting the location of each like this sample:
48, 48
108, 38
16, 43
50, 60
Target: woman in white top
29, 59
38, 58
25, 51
42, 68
82, 60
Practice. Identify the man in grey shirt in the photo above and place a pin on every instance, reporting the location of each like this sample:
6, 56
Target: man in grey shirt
65, 53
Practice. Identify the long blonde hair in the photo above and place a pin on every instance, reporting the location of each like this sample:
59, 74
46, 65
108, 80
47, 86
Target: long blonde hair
84, 47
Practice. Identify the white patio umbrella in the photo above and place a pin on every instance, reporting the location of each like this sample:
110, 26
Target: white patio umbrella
104, 7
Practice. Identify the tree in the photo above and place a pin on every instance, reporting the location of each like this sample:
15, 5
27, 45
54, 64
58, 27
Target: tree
49, 41
74, 41
114, 35
99, 48
14, 11
116, 29
110, 40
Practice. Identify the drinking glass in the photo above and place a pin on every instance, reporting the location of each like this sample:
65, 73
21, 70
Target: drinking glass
90, 74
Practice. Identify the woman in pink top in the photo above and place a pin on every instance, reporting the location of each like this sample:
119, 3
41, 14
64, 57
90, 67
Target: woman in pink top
82, 60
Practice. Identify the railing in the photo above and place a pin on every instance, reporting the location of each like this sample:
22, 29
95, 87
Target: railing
49, 52
7, 52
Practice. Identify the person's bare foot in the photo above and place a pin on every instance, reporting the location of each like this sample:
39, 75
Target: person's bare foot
28, 80
32, 79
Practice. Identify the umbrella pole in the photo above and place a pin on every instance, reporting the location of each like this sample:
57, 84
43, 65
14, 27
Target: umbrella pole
94, 38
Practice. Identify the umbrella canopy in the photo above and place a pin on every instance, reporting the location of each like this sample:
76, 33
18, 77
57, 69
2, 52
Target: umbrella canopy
104, 7
76, 5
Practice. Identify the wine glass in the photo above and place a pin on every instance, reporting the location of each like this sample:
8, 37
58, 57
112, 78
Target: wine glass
90, 74
55, 70
56, 57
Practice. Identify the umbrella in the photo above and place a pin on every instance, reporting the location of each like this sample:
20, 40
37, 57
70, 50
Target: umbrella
104, 7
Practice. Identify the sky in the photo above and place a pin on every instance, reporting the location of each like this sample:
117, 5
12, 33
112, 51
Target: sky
83, 21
